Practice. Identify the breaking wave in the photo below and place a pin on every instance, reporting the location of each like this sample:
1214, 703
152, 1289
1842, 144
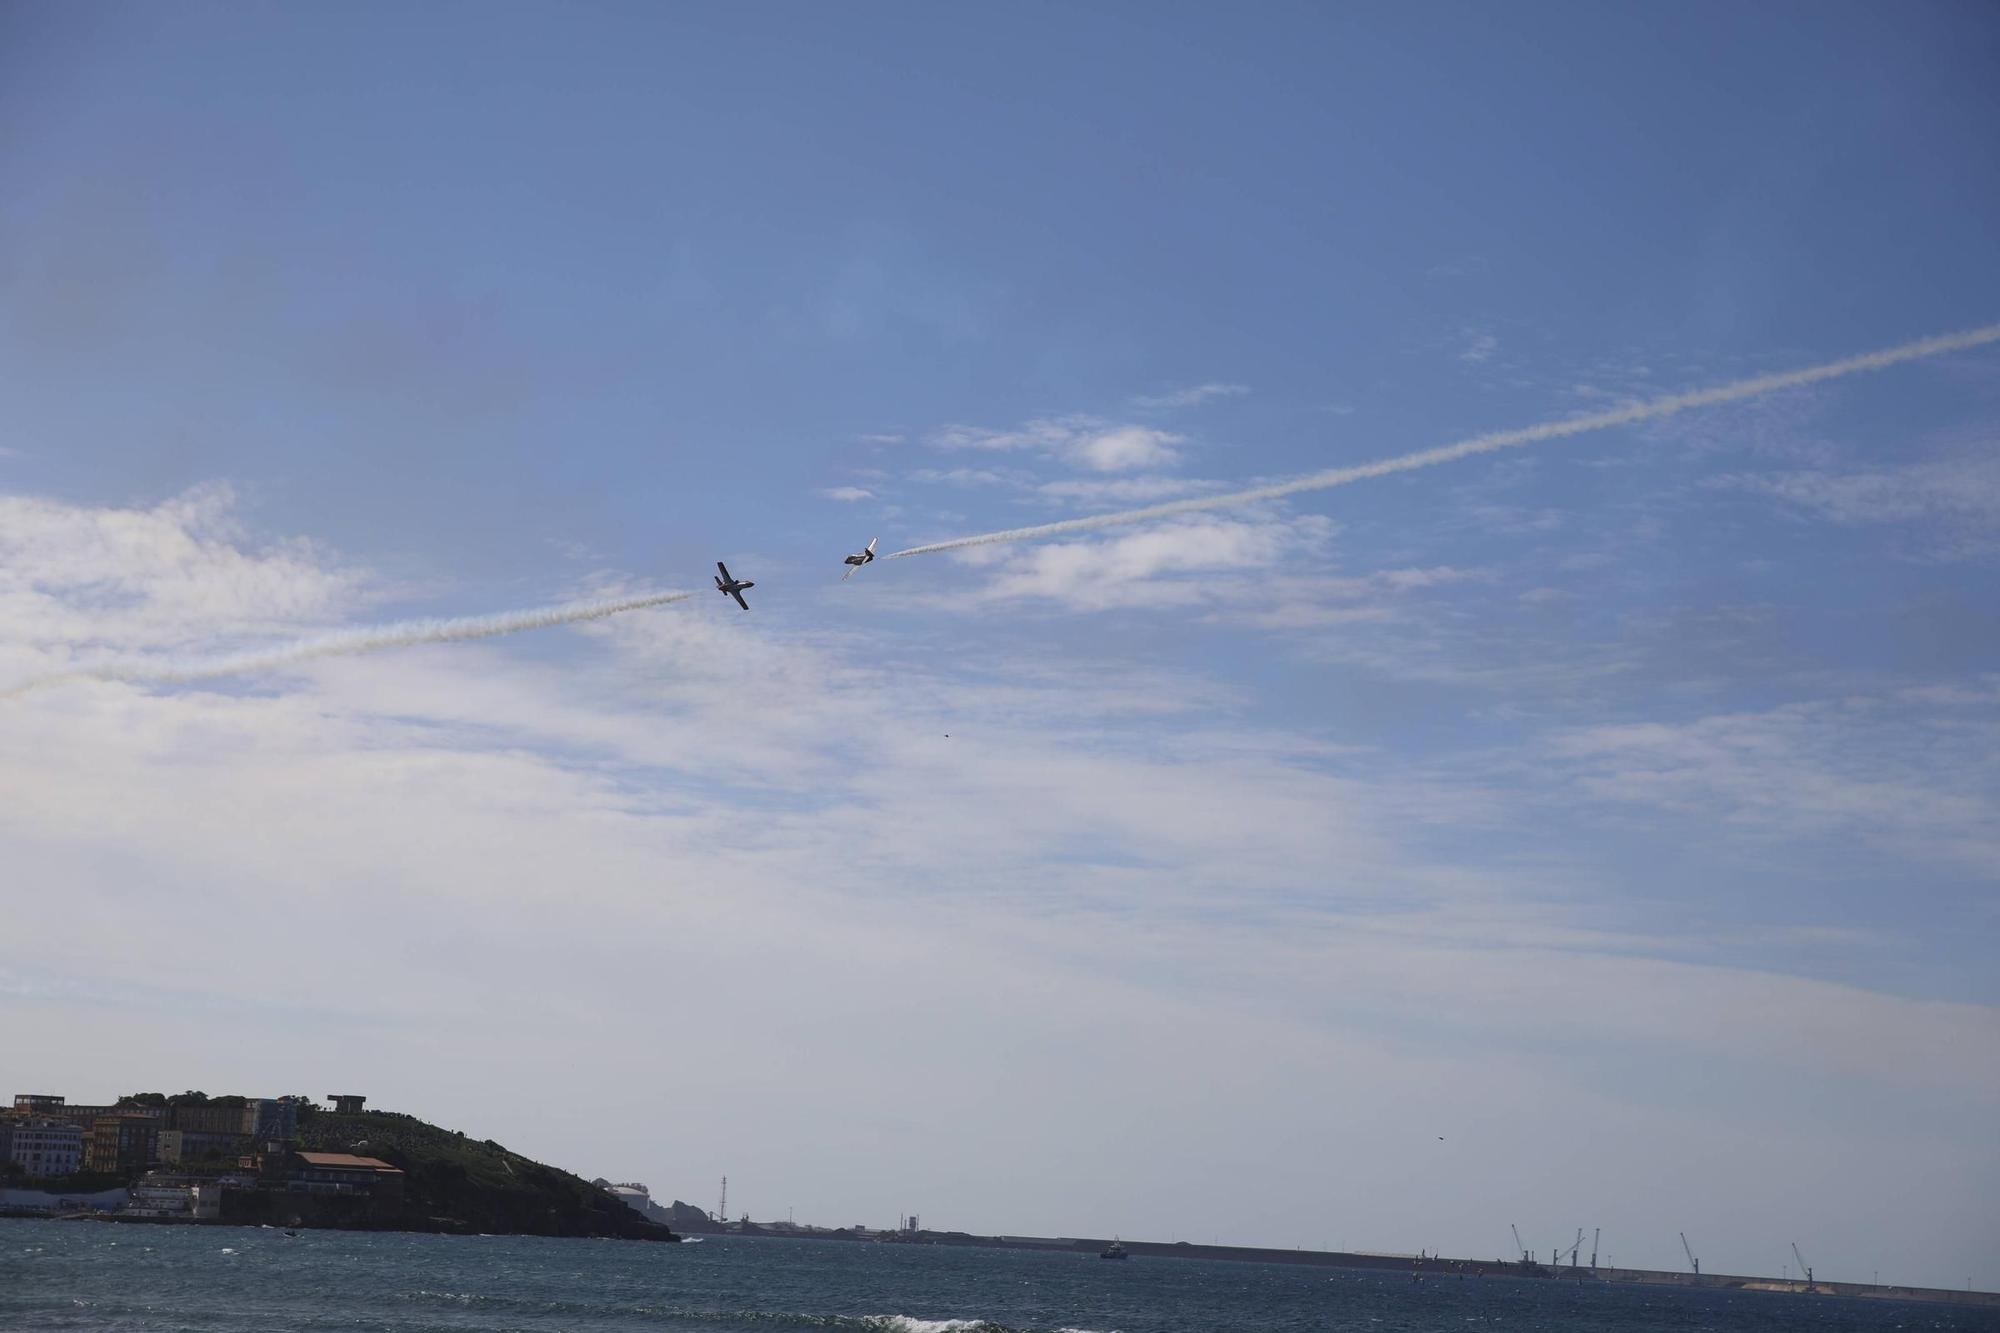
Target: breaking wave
671, 1316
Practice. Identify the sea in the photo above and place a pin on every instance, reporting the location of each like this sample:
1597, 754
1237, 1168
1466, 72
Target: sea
103, 1277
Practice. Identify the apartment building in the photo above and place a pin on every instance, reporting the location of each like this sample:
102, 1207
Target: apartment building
42, 1146
122, 1144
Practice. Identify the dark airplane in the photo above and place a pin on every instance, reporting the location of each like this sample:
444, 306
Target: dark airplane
859, 558
734, 587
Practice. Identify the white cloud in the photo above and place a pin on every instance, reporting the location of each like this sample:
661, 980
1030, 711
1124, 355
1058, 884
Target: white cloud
1239, 570
1158, 566
1941, 509
1123, 448
1241, 915
881, 439
1043, 433
1312, 602
847, 493
1919, 783
1082, 441
1191, 396
1963, 489
963, 476
78, 578
575, 551
1479, 347
1120, 492
1248, 909
1516, 520
1979, 690
1464, 266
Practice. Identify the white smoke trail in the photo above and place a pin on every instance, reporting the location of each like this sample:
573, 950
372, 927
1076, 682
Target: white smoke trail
1488, 443
366, 639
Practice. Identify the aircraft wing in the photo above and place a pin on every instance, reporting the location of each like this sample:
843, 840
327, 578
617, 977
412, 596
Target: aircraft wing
739, 600
849, 574
725, 572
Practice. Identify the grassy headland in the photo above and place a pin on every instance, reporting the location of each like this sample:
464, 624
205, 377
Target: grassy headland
456, 1184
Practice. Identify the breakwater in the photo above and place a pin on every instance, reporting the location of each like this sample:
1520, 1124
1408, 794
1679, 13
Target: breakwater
1421, 1267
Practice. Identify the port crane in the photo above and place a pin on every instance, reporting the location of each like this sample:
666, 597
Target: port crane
1517, 1242
1802, 1265
1696, 1263
1593, 1247
1571, 1251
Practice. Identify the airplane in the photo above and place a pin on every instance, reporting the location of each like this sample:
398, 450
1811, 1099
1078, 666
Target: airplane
859, 558
734, 587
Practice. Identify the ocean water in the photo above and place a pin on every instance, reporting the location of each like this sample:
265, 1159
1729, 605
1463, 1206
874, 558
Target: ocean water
102, 1277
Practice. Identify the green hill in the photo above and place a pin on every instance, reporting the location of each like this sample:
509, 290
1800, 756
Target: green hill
457, 1184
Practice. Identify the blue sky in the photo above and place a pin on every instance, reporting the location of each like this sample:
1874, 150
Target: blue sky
1639, 785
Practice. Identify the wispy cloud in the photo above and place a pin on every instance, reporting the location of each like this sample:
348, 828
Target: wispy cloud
1123, 448
77, 578
1095, 491
1920, 781
1934, 510
1243, 570
965, 476
1334, 601
1654, 410
1082, 441
1964, 490
1464, 266
574, 550
1479, 345
847, 493
1164, 566
1047, 433
1191, 396
1095, 836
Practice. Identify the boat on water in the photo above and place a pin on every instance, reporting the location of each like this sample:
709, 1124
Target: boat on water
1113, 1251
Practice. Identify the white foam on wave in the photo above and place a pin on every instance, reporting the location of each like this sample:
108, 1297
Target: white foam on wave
902, 1323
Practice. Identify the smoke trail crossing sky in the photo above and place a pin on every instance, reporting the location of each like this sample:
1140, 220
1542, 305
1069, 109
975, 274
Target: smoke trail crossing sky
1651, 410
366, 639
409, 633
